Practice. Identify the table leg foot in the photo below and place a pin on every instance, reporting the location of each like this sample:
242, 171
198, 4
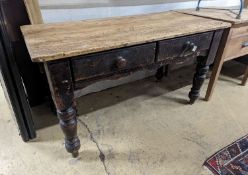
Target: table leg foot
75, 154
192, 100
68, 124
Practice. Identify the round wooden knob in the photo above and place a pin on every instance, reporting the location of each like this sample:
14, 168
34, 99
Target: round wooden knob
121, 63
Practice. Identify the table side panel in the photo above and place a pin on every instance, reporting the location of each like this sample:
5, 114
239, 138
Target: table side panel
237, 46
238, 31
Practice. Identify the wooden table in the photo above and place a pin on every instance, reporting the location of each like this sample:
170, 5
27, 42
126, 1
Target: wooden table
76, 54
234, 44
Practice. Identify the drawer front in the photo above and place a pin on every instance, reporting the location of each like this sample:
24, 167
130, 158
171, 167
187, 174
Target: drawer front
181, 48
238, 43
105, 63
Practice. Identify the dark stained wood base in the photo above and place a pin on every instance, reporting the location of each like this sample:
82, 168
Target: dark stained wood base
64, 76
68, 124
160, 73
199, 77
62, 91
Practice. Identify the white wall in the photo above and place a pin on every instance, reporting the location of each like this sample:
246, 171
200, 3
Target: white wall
62, 10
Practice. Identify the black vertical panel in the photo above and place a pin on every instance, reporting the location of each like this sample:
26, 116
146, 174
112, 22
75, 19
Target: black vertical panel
15, 15
24, 83
19, 103
14, 85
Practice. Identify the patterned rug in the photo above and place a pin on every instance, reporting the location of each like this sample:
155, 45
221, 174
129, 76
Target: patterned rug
232, 160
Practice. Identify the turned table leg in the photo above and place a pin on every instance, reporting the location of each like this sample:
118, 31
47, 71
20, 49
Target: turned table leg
199, 77
61, 87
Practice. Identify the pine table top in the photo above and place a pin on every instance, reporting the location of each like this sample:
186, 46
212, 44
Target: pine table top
48, 42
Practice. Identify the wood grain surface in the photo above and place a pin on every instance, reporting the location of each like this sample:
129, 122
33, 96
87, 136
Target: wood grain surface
219, 14
48, 42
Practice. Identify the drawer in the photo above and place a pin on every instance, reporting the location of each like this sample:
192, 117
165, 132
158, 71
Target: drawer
177, 49
236, 47
104, 63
